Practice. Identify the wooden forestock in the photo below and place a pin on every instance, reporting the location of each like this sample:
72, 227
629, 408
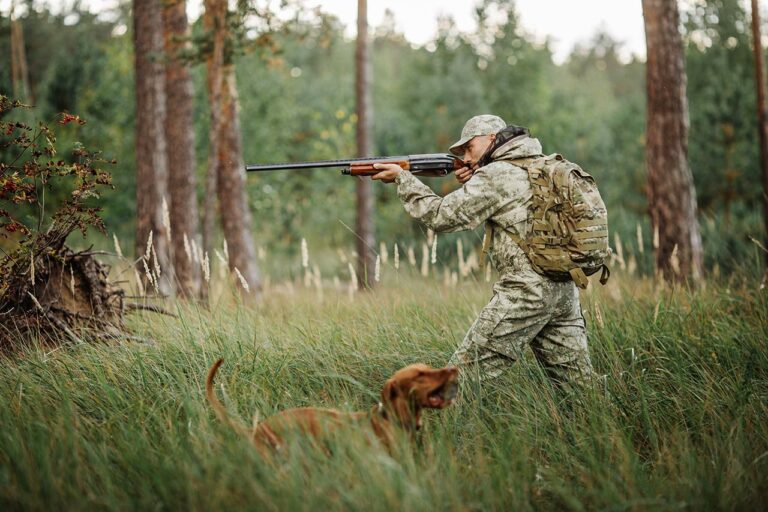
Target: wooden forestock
367, 169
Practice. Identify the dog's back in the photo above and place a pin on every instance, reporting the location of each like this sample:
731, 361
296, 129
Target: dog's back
404, 395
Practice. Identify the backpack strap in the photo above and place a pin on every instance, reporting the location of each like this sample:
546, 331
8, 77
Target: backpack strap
523, 163
579, 277
487, 238
605, 275
525, 247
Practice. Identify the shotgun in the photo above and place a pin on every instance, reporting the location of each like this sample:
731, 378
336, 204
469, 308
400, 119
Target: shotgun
432, 165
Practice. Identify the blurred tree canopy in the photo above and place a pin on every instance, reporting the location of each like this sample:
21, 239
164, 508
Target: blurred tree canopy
297, 103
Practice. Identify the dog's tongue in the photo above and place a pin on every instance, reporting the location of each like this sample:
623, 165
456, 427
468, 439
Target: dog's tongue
435, 400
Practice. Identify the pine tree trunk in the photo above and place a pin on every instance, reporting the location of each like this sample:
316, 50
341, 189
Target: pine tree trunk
151, 159
179, 131
364, 227
671, 192
235, 215
214, 15
761, 126
227, 148
19, 69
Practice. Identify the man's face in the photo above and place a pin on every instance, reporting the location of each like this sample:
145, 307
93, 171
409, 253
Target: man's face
476, 147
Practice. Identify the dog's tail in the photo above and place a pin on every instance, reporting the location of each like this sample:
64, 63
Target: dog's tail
218, 407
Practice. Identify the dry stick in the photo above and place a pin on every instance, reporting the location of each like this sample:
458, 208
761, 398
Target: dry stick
128, 337
116, 331
757, 243
764, 281
81, 316
55, 321
96, 253
131, 306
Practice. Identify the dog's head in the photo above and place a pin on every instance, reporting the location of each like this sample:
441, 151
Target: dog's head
417, 387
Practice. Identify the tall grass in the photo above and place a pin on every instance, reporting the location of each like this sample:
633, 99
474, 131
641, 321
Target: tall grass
677, 418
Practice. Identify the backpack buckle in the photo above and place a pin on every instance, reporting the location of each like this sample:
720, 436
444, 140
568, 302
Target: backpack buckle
579, 277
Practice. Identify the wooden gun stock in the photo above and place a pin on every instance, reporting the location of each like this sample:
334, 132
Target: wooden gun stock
367, 169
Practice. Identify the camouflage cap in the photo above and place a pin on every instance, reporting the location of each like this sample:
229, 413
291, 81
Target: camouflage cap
484, 124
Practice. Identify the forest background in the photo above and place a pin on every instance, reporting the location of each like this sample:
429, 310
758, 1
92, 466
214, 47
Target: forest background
297, 103
674, 420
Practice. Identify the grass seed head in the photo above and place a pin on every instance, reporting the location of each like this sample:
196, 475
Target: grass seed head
118, 250
242, 280
166, 218
187, 249
148, 251
139, 283
206, 264
352, 278
304, 253
397, 257
674, 261
384, 252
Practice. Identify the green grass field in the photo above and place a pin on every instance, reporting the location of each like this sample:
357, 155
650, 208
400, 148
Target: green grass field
677, 420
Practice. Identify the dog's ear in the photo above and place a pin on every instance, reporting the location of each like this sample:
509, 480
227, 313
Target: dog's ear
395, 396
390, 391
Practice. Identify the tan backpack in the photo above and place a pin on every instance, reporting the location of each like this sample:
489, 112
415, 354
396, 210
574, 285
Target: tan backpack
568, 236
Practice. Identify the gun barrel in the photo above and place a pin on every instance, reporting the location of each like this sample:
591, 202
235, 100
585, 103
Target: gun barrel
318, 164
436, 164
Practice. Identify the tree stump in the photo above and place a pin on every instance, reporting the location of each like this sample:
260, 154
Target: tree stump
55, 295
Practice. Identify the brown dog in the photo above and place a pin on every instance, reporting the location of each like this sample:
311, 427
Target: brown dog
404, 395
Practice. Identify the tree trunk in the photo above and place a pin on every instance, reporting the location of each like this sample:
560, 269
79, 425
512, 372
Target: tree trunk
19, 70
364, 223
227, 148
151, 159
761, 127
179, 131
671, 192
214, 15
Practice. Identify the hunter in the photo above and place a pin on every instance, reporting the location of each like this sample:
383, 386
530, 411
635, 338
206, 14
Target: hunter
527, 308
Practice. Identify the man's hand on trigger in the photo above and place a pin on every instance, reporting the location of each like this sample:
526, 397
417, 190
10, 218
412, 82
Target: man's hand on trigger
387, 172
463, 174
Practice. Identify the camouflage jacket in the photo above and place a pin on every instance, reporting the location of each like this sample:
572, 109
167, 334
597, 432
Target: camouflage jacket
498, 193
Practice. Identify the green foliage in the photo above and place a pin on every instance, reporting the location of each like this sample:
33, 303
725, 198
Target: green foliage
676, 419
34, 166
296, 89
721, 91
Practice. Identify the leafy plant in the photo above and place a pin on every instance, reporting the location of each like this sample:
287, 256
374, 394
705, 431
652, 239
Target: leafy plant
45, 288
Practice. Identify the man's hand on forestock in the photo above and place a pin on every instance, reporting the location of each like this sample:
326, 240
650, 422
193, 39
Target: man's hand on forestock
387, 172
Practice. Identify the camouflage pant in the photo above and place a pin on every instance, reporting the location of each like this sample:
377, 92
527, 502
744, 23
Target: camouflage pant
542, 313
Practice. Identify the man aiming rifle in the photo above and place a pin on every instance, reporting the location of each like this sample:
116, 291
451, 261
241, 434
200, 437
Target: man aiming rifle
531, 305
